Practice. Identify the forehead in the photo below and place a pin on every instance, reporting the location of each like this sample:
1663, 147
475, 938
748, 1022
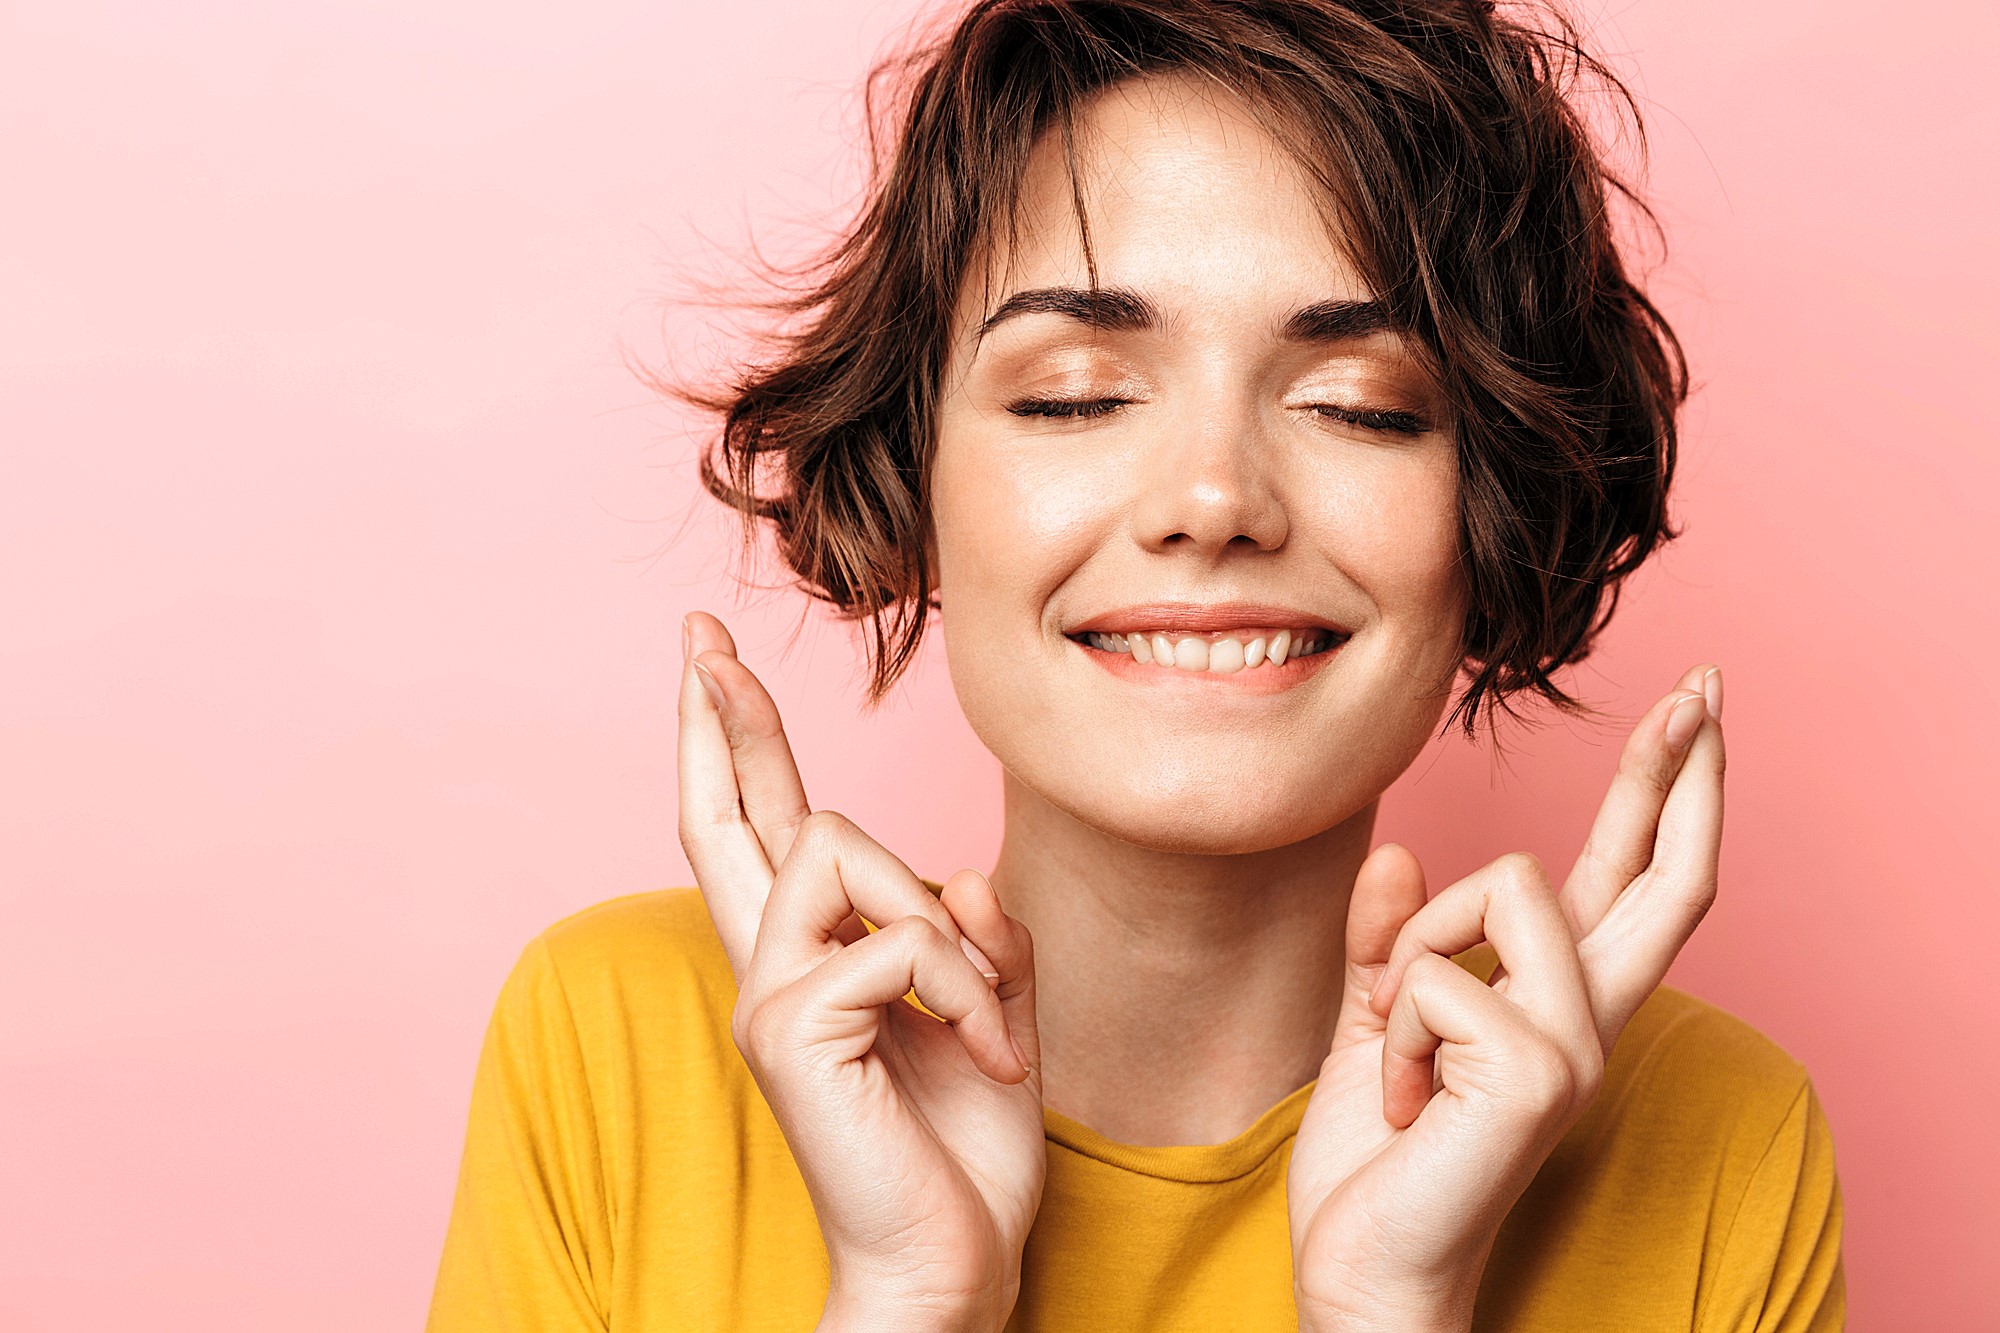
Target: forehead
1188, 196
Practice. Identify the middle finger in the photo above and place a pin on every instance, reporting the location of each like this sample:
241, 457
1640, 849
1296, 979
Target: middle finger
1510, 903
835, 871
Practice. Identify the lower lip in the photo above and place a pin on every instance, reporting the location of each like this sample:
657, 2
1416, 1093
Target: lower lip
1260, 679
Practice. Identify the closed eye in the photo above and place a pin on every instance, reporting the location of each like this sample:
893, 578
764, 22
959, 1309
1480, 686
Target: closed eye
1065, 407
1391, 420
1394, 421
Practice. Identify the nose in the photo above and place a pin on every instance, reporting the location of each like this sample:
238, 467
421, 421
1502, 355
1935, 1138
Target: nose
1209, 483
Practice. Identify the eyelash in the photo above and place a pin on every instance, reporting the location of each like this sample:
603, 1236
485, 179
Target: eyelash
1065, 407
1388, 420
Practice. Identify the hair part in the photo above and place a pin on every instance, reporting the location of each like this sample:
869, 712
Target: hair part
1473, 198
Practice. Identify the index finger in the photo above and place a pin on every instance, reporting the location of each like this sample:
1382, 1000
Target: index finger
767, 776
728, 860
1628, 954
1620, 844
1510, 903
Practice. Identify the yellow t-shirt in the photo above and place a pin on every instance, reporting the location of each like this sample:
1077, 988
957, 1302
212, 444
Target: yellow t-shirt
623, 1172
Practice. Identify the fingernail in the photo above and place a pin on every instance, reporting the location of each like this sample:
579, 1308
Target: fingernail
986, 884
1683, 722
712, 685
685, 643
1020, 1054
1711, 688
979, 960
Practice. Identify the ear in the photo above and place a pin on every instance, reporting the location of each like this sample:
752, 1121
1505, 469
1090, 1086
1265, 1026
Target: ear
931, 567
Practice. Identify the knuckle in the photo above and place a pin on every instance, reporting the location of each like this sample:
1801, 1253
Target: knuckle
774, 1025
694, 824
752, 726
1426, 969
763, 724
733, 732
697, 819
820, 831
1590, 1075
1646, 766
1549, 1074
1522, 872
748, 1027
916, 933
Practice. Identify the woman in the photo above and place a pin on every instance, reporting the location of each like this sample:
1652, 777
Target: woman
1233, 376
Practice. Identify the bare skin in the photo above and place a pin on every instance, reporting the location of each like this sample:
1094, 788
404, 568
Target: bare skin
1203, 591
1183, 860
1187, 1023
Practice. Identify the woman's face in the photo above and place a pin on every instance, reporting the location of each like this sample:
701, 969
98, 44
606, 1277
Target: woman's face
1222, 455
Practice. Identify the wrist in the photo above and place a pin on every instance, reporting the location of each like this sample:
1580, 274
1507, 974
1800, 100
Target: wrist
1445, 1307
1334, 1297
885, 1312
1315, 1318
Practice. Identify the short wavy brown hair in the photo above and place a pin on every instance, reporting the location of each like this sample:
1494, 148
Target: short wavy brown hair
1476, 201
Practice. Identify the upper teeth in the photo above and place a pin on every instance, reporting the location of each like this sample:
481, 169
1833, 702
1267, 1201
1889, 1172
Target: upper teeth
1222, 655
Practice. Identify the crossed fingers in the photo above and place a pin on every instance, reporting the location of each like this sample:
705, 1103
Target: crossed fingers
1580, 963
787, 887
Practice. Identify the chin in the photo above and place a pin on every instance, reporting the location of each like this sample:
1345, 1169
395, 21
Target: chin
1202, 814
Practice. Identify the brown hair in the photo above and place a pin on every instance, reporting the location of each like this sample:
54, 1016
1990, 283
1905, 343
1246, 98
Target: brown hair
1477, 204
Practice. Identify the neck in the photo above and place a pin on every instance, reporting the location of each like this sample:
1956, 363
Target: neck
1179, 996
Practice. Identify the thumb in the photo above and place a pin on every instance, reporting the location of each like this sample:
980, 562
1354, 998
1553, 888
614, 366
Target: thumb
1388, 891
1005, 944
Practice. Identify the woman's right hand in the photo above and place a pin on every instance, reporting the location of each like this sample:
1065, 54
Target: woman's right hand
920, 1142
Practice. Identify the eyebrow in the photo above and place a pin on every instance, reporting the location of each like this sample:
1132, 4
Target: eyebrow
1119, 310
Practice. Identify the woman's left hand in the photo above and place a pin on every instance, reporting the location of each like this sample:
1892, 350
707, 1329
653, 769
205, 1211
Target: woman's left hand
1400, 1178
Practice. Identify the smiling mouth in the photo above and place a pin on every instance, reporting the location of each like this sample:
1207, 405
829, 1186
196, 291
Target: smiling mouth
1218, 653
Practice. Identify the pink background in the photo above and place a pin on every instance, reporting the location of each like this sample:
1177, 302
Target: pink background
343, 561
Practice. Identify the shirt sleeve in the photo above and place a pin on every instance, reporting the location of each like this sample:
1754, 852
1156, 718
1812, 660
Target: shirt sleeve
1781, 1269
528, 1244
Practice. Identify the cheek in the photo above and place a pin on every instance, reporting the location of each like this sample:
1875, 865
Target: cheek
1012, 522
1397, 534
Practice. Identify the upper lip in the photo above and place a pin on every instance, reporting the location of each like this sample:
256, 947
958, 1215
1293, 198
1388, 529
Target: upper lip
1198, 618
